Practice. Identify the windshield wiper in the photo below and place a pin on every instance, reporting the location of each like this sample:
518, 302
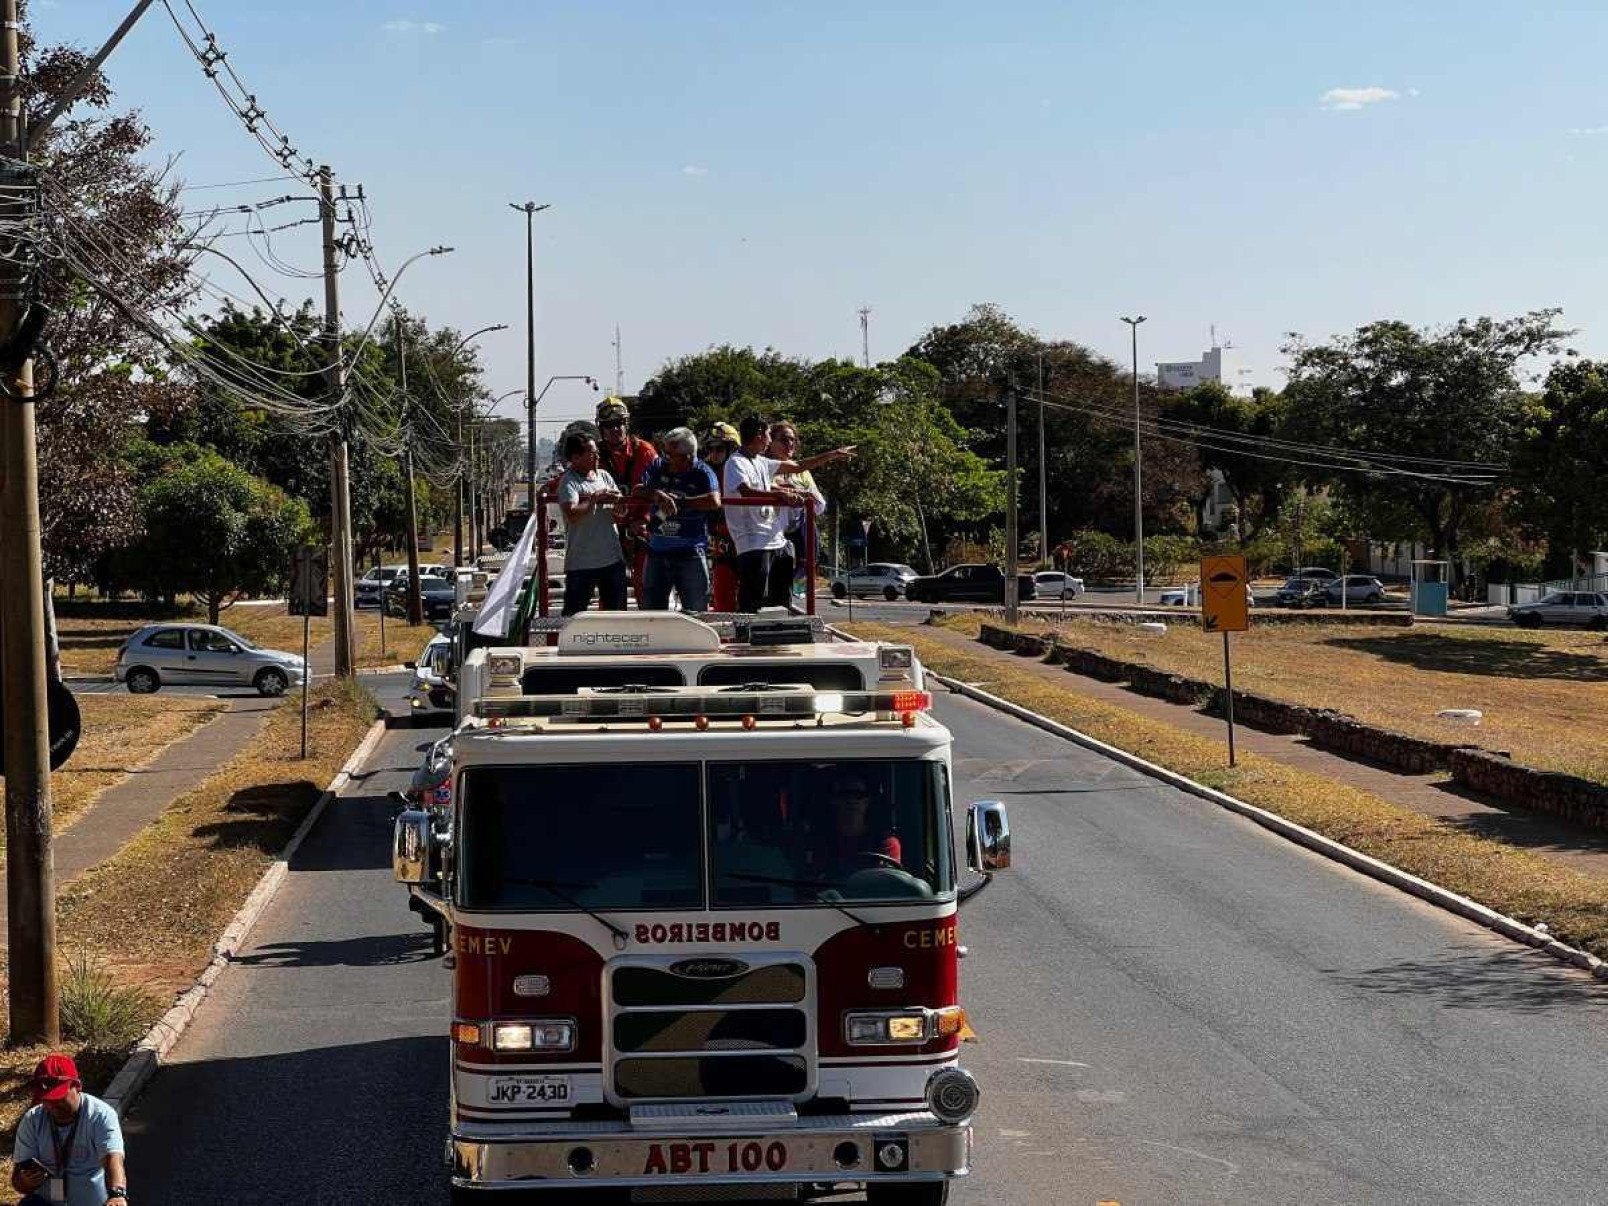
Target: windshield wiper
556, 887
812, 886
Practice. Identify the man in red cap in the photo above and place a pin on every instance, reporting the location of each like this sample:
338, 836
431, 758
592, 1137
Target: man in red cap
69, 1146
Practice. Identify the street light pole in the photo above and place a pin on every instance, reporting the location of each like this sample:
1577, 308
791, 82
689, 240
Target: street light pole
1138, 474
457, 506
530, 209
1044, 474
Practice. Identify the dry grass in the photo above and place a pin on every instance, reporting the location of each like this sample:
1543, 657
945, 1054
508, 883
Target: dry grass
1517, 882
1544, 694
168, 894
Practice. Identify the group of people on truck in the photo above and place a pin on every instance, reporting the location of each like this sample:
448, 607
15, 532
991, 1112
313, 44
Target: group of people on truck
664, 516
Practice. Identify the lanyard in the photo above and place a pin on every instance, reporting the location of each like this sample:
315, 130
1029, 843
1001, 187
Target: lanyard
64, 1150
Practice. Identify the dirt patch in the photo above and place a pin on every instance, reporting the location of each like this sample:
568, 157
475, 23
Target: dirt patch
1543, 694
168, 894
1513, 881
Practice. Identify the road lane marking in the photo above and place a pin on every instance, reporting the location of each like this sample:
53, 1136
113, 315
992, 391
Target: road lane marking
1060, 1063
1189, 1151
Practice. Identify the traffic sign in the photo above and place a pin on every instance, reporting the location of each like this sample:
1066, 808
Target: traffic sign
309, 581
1223, 602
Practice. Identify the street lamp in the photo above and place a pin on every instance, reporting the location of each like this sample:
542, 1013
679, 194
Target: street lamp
458, 503
530, 209
1138, 473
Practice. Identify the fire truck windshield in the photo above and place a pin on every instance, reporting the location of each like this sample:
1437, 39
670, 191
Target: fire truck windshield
786, 833
560, 838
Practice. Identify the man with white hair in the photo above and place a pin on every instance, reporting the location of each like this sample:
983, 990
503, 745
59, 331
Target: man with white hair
683, 492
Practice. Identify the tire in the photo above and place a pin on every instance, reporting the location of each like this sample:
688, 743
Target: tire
1529, 619
1376, 597
142, 680
839, 591
1598, 624
919, 1193
271, 682
890, 593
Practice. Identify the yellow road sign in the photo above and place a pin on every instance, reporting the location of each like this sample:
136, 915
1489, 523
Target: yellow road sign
1224, 606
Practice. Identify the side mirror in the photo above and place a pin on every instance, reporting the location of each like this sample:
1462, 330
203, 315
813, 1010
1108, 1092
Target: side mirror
410, 847
988, 837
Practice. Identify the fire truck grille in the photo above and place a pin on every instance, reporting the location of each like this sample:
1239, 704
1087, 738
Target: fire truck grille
711, 1030
777, 984
724, 1076
711, 1027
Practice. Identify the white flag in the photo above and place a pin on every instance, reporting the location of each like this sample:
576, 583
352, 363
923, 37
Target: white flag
503, 598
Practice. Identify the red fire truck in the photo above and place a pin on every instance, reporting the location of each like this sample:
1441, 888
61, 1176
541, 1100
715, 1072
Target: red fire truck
702, 901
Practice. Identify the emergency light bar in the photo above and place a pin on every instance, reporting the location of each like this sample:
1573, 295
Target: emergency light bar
673, 704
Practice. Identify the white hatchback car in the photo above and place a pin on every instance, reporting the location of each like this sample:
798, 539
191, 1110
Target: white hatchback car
1053, 584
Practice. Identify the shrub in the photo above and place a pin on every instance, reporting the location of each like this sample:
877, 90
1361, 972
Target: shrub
99, 1011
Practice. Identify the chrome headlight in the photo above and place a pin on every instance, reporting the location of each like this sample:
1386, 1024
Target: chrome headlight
553, 1034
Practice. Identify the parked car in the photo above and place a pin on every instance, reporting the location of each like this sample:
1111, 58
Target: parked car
1303, 592
879, 580
430, 691
1053, 584
438, 596
161, 655
1359, 588
1588, 608
971, 583
1188, 595
371, 586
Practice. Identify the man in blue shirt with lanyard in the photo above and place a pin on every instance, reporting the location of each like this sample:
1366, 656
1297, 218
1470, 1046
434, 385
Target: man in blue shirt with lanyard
684, 493
69, 1146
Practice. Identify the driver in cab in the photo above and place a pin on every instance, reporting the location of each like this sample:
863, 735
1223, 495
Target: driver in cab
854, 844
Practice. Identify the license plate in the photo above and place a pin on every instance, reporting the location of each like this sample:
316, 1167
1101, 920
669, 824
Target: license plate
715, 1156
529, 1090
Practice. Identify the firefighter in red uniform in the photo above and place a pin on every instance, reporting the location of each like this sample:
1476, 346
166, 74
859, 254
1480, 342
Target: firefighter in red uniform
626, 457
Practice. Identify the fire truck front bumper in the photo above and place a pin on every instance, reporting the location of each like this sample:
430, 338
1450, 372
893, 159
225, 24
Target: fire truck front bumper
858, 1148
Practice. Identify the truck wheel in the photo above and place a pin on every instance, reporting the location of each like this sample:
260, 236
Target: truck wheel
920, 1193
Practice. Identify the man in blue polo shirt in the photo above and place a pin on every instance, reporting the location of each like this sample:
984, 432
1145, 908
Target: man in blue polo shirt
684, 492
69, 1146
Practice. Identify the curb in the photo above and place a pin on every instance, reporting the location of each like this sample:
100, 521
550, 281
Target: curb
1372, 867
373, 670
138, 1069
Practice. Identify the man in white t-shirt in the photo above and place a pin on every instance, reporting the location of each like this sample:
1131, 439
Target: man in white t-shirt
764, 564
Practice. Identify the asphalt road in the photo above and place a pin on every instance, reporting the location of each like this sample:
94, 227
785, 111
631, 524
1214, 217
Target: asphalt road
1173, 1006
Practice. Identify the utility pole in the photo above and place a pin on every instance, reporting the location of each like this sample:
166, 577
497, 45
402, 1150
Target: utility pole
340, 487
865, 335
1011, 585
415, 603
1044, 474
457, 502
1138, 474
619, 365
30, 866
530, 209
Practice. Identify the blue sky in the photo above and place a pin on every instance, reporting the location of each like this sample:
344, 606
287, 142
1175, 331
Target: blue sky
755, 172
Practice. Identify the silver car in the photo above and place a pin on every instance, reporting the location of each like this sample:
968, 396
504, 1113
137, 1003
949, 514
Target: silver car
161, 655
1588, 608
1053, 584
879, 580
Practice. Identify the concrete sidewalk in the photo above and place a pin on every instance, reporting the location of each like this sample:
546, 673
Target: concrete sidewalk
1579, 848
123, 810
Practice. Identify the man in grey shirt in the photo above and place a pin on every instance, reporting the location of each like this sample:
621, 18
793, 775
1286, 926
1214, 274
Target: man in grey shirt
589, 497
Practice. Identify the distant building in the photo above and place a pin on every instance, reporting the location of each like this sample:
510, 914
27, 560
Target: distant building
1220, 364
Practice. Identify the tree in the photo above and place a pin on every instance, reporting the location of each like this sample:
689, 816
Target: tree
1255, 475
1562, 462
1088, 424
1450, 398
214, 531
117, 219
